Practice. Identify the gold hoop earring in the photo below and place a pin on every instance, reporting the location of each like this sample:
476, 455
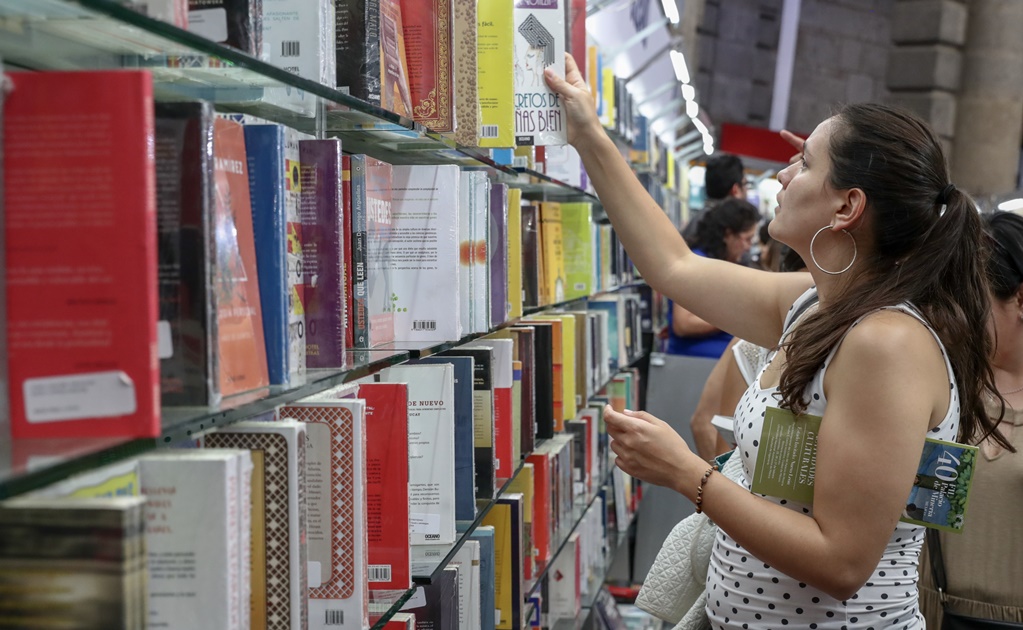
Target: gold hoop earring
818, 265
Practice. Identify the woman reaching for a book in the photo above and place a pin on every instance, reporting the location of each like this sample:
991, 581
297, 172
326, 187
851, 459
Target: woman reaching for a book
895, 351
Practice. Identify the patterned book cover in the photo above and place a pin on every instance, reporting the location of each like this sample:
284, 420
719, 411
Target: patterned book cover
236, 23
483, 416
81, 313
380, 296
279, 571
429, 28
323, 252
394, 76
275, 186
498, 251
576, 233
496, 73
336, 528
186, 211
539, 44
467, 108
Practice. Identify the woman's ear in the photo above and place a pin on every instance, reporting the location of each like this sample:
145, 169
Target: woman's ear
850, 214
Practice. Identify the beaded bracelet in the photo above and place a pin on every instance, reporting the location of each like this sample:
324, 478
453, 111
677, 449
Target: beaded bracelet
699, 489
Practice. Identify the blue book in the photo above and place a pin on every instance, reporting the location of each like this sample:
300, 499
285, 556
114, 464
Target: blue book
273, 160
612, 328
485, 535
465, 465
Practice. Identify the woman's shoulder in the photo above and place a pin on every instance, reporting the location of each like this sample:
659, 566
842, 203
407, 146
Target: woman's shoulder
890, 337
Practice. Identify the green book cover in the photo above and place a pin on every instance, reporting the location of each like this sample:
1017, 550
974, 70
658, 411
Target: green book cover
576, 235
787, 461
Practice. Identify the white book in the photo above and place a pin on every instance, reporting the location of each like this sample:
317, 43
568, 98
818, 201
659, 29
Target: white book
564, 164
299, 36
480, 199
562, 589
424, 252
192, 538
431, 437
465, 258
336, 531
539, 44
467, 559
118, 479
245, 470
279, 578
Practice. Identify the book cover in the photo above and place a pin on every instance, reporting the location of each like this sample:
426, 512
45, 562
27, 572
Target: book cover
484, 535
514, 229
243, 364
570, 362
543, 378
504, 434
370, 53
563, 582
614, 329
347, 260
524, 483
543, 512
557, 367
187, 330
465, 456
424, 260
431, 440
387, 484
401, 621
467, 107
279, 572
467, 559
323, 252
498, 250
506, 519
236, 23
525, 344
394, 76
274, 181
435, 605
359, 300
576, 226
300, 37
552, 252
428, 27
481, 242
787, 461
530, 255
539, 44
336, 528
81, 332
483, 416
193, 510
466, 317
496, 73
379, 227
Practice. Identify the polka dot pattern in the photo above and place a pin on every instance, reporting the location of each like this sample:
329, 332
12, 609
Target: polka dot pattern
749, 593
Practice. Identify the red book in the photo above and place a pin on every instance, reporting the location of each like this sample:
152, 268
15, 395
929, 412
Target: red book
387, 507
577, 33
81, 255
428, 29
243, 368
542, 517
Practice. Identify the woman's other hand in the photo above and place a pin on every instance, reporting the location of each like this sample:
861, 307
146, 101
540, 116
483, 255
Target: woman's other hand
796, 142
650, 450
580, 111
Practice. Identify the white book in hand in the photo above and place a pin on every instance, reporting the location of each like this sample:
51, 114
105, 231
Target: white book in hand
431, 444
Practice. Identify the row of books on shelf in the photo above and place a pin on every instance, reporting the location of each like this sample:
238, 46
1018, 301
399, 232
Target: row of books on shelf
306, 515
192, 257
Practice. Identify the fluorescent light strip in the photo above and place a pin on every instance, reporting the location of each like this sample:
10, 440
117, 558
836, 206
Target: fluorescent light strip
678, 61
670, 10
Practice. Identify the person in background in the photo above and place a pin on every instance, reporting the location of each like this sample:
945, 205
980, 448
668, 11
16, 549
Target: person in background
768, 255
896, 351
724, 178
725, 232
983, 566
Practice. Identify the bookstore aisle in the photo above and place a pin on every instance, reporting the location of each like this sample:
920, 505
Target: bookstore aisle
310, 315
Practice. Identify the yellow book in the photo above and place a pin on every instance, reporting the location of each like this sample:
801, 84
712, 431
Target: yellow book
514, 253
582, 359
525, 484
608, 119
496, 73
592, 68
671, 170
505, 516
553, 252
569, 362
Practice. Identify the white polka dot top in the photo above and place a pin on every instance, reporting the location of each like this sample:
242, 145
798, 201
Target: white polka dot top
743, 592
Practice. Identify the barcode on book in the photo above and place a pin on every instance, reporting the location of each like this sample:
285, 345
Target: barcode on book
379, 573
424, 324
289, 49
333, 617
489, 131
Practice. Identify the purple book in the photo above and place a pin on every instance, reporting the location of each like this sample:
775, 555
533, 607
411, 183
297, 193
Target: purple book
498, 254
323, 271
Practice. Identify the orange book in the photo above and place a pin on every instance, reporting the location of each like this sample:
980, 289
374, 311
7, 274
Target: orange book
80, 223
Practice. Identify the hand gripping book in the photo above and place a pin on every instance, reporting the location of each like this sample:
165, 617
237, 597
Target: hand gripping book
539, 44
81, 313
336, 532
787, 461
279, 571
431, 450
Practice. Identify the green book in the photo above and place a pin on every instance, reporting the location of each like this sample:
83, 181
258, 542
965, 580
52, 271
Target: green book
787, 462
577, 241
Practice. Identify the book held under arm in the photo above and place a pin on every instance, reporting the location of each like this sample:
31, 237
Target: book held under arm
787, 461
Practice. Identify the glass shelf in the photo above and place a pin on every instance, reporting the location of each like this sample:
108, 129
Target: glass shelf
532, 310
544, 188
26, 465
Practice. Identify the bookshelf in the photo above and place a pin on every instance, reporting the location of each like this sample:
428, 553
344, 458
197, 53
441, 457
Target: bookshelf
103, 34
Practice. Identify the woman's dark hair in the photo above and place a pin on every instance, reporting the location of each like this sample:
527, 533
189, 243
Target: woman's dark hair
930, 252
723, 171
731, 215
790, 259
1005, 262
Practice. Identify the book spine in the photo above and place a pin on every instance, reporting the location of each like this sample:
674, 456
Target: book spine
360, 288
358, 48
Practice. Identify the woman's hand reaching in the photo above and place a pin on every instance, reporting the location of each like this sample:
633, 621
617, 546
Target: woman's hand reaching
650, 450
580, 111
